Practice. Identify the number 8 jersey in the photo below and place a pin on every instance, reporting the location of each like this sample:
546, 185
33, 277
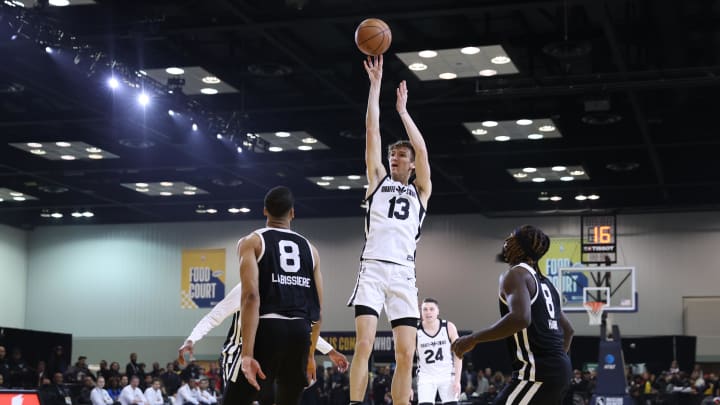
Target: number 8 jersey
393, 219
286, 275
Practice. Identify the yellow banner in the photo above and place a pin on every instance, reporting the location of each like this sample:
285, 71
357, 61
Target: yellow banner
563, 252
202, 282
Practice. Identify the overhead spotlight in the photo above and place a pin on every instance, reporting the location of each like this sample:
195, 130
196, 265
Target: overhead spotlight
49, 50
113, 83
175, 70
219, 136
194, 127
59, 3
239, 149
143, 99
171, 113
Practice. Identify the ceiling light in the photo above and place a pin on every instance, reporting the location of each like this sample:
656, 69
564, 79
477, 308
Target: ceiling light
67, 157
427, 54
194, 127
218, 136
239, 149
479, 131
593, 197
19, 198
210, 80
470, 50
76, 214
244, 210
56, 215
141, 185
189, 192
487, 72
546, 128
165, 193
354, 177
567, 178
16, 194
143, 99
113, 83
93, 150
535, 137
344, 187
309, 139
211, 211
275, 149
305, 147
520, 175
555, 198
417, 66
63, 144
34, 145
200, 210
538, 179
543, 198
529, 170
500, 60
37, 152
175, 70
44, 213
208, 90
328, 178
95, 156
489, 124
447, 76
580, 197
323, 183
142, 190
559, 168
171, 113
88, 214
502, 138
523, 122
282, 134
577, 173
59, 3
191, 188
166, 183
233, 210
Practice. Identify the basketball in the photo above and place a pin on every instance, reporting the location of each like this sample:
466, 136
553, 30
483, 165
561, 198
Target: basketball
373, 37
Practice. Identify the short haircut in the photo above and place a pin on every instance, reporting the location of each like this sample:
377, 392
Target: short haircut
403, 144
431, 301
278, 201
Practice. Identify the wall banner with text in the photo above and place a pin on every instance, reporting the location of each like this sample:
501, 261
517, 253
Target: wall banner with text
202, 283
563, 252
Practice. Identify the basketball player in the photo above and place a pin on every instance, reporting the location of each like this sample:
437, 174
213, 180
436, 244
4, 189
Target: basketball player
231, 349
536, 330
396, 207
439, 370
281, 299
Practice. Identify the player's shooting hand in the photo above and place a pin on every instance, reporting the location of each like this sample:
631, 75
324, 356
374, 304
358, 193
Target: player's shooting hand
251, 370
462, 345
187, 347
374, 68
339, 360
311, 370
402, 97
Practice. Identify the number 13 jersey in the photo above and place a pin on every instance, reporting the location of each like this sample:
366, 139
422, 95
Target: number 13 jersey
393, 219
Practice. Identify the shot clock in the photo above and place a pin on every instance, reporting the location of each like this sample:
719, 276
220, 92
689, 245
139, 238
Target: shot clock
598, 239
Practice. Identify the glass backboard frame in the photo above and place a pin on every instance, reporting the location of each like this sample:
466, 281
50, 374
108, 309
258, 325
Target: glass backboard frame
572, 281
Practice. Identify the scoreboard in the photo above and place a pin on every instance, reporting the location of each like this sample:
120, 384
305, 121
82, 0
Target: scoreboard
598, 239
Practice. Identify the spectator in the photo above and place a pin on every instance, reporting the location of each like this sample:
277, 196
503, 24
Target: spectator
104, 370
124, 381
114, 370
99, 395
86, 391
381, 385
19, 372
57, 362
78, 372
114, 388
579, 388
131, 394
4, 366
482, 383
488, 398
2, 381
132, 368
153, 394
40, 373
156, 370
170, 379
56, 393
186, 395
207, 396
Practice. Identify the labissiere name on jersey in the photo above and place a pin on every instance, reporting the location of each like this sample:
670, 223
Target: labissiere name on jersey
291, 280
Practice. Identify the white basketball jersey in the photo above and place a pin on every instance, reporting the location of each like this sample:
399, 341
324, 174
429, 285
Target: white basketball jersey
435, 359
393, 220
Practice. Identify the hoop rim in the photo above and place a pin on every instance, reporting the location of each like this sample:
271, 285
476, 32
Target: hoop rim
595, 306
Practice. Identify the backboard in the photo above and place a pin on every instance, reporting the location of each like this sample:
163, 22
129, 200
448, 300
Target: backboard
613, 285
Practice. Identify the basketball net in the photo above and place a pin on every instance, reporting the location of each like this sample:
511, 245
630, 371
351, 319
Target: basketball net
595, 311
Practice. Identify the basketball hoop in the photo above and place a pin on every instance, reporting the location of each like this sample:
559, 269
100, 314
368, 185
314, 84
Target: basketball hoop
595, 311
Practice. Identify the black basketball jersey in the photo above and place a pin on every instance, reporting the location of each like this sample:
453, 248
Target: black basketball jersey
286, 275
537, 351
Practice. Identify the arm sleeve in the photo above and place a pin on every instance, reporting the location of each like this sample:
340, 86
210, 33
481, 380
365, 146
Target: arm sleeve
229, 305
323, 346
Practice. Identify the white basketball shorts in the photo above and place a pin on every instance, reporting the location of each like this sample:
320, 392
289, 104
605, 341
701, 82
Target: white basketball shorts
389, 285
428, 386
